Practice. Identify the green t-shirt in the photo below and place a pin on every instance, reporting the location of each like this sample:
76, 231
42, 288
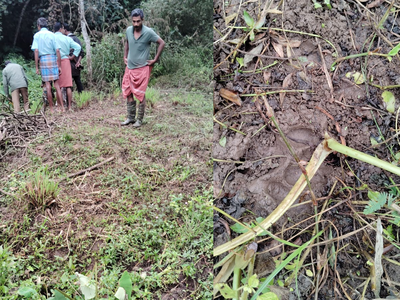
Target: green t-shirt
139, 49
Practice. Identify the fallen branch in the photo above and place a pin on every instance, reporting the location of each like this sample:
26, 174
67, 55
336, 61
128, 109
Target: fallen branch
90, 168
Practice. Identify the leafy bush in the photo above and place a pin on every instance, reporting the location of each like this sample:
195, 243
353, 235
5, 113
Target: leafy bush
108, 60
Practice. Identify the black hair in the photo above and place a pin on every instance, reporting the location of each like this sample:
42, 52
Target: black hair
137, 12
42, 22
57, 26
7, 62
66, 27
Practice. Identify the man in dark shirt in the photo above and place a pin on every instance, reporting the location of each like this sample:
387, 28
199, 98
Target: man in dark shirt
75, 61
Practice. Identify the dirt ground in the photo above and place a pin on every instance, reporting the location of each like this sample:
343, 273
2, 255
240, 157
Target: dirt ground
254, 170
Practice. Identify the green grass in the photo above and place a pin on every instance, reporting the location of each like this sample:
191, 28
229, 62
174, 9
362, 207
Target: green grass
147, 212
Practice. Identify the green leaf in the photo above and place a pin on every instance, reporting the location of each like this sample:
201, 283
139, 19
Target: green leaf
59, 296
395, 50
373, 141
240, 60
226, 291
26, 292
238, 228
377, 201
253, 281
222, 141
120, 294
389, 100
317, 5
252, 36
88, 287
249, 20
126, 283
309, 273
268, 296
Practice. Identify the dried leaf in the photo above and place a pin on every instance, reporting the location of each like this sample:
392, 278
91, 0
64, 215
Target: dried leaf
267, 76
286, 82
231, 96
253, 53
235, 41
375, 3
279, 49
228, 19
357, 77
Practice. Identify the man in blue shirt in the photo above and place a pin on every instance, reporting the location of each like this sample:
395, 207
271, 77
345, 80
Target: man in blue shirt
65, 43
48, 52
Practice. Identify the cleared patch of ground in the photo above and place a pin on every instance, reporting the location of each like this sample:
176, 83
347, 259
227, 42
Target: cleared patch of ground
147, 210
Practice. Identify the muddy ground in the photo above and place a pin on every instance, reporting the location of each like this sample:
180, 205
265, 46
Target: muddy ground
253, 168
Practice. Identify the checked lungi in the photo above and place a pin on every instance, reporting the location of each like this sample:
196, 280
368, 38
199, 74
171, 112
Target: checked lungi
49, 67
135, 82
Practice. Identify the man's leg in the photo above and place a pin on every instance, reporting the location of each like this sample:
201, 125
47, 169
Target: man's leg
49, 95
142, 107
79, 85
24, 92
15, 100
58, 95
131, 109
69, 97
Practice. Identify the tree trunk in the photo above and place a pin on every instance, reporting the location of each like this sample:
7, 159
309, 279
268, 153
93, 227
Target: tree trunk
87, 41
19, 22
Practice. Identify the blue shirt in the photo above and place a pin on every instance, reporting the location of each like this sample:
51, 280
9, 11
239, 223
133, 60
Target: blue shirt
45, 42
66, 43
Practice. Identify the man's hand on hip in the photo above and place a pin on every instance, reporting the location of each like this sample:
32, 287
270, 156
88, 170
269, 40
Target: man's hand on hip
151, 62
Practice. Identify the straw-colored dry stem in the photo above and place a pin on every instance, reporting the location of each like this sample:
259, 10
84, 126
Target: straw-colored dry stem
316, 160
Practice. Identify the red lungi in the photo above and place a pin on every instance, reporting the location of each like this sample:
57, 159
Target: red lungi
66, 75
135, 82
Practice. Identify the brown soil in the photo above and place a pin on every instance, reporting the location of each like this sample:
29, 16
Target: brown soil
263, 170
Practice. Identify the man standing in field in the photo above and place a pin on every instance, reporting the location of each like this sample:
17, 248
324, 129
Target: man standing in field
48, 52
65, 43
75, 62
14, 76
137, 72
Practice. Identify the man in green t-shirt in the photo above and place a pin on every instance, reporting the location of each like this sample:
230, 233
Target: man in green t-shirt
138, 66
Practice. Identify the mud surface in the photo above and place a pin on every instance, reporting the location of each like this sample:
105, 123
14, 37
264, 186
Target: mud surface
252, 162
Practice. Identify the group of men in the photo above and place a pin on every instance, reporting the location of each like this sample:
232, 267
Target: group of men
59, 56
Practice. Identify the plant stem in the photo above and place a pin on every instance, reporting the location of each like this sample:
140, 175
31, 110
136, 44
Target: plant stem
335, 146
277, 92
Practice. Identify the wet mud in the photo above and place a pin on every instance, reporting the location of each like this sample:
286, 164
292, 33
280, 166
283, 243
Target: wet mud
253, 168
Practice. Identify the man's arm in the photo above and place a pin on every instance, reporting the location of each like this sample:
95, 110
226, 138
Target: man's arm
160, 49
37, 61
126, 52
59, 60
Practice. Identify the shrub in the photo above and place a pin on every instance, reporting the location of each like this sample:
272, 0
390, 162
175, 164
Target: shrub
108, 61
